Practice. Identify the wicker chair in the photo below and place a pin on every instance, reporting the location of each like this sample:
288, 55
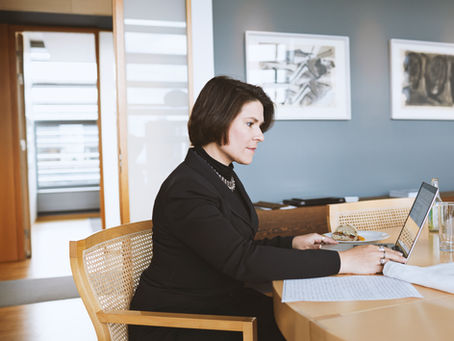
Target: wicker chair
106, 268
370, 215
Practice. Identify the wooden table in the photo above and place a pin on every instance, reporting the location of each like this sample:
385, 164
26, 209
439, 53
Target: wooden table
428, 318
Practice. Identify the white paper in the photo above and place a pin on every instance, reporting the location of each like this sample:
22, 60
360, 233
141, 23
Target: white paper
346, 288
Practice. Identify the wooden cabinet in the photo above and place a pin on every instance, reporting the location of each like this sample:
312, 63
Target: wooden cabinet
292, 222
447, 196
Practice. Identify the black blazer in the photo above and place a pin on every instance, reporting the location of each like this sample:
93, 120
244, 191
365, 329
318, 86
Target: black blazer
203, 243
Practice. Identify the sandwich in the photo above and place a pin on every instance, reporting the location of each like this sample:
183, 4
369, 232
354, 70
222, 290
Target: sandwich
345, 233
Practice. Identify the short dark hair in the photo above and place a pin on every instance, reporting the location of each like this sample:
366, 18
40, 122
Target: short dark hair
218, 104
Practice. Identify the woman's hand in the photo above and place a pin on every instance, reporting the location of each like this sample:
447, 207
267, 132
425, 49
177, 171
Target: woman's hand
368, 259
311, 241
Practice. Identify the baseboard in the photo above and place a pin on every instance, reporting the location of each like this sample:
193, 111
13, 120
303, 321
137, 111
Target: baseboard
67, 216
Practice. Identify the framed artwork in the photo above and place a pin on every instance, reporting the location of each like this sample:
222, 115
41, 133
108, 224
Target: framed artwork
422, 80
306, 76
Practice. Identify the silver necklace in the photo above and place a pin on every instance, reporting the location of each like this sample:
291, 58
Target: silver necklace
229, 183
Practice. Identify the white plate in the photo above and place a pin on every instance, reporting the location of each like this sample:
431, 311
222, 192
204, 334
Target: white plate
369, 236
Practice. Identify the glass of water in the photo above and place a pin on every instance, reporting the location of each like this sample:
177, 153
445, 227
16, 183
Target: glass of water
446, 225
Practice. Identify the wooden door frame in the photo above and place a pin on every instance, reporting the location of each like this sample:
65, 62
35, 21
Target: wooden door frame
21, 156
13, 30
12, 225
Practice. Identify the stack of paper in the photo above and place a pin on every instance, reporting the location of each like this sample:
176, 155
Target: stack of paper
440, 276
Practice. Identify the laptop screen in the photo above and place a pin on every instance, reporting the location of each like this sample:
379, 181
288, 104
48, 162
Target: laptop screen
416, 219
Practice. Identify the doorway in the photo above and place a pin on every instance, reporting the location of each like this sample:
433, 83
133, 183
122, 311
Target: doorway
58, 101
61, 111
64, 90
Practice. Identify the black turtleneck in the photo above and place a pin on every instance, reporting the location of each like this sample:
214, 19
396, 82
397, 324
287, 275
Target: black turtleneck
227, 172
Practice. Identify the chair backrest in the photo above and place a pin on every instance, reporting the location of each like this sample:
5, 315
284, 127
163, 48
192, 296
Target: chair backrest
106, 268
366, 215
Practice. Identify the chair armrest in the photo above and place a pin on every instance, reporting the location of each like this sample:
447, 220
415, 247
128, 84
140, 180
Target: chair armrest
178, 320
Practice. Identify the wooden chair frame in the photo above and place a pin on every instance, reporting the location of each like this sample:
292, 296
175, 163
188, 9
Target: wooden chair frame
101, 319
378, 214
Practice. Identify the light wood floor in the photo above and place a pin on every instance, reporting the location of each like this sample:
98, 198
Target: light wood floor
54, 320
50, 250
47, 321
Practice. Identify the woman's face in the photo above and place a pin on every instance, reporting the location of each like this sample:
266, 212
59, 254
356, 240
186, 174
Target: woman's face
244, 135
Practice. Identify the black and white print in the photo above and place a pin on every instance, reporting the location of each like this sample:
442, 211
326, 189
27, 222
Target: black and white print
422, 80
307, 76
429, 79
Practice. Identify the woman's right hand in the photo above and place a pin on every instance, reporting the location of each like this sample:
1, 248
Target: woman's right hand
367, 259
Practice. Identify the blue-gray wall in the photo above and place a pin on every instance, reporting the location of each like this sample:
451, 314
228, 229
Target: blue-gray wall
370, 154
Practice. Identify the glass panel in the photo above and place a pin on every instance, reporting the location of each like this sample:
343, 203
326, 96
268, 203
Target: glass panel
157, 96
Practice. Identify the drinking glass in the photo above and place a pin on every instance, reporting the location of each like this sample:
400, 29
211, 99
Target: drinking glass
446, 226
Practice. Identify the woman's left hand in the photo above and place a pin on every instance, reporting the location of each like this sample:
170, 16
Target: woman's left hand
311, 241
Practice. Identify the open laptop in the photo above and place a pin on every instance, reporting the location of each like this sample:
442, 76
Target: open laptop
414, 223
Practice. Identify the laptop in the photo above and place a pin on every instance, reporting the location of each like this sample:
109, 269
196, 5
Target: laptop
414, 223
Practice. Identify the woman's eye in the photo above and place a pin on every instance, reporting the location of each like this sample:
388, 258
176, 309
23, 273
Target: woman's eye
249, 124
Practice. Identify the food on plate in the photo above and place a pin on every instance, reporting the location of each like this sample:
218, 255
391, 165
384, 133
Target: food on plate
346, 233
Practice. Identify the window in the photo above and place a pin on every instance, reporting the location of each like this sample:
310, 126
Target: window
61, 79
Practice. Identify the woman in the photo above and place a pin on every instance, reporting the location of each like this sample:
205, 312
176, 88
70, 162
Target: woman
204, 226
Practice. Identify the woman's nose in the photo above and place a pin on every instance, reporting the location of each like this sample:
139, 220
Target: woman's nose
259, 136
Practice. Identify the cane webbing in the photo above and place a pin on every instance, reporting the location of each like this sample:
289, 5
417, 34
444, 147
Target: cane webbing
373, 219
114, 268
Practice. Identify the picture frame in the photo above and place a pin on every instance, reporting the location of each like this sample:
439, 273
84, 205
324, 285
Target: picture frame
422, 80
307, 76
